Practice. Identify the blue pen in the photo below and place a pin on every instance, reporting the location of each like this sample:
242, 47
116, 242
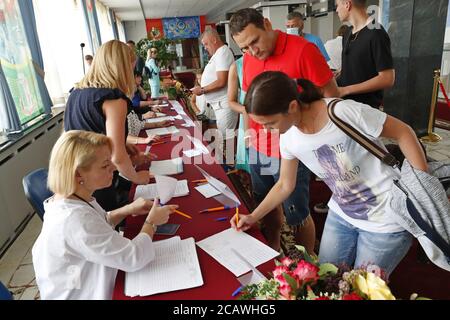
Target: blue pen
236, 292
222, 219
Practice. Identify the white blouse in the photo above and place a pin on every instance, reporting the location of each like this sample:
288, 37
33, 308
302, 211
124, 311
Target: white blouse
78, 253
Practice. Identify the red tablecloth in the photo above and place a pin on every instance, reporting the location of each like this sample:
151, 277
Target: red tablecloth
219, 282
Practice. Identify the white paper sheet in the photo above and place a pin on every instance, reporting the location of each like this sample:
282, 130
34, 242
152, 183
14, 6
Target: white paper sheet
198, 145
175, 267
192, 153
219, 247
162, 131
167, 167
150, 191
160, 119
207, 190
222, 187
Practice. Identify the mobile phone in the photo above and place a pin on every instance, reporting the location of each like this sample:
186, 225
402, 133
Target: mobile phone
167, 229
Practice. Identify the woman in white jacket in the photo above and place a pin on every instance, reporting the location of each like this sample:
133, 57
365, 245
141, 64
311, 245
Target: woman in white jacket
78, 252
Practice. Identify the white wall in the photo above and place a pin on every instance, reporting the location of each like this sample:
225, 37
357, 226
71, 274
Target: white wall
324, 27
135, 30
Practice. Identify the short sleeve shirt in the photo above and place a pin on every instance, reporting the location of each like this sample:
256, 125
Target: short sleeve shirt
220, 61
296, 57
364, 55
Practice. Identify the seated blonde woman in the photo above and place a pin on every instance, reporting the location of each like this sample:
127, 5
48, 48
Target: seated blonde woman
78, 252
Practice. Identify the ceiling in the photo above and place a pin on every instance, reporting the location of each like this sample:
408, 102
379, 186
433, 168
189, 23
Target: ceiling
215, 10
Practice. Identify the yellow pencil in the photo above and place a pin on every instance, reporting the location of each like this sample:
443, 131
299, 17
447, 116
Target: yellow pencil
183, 214
237, 215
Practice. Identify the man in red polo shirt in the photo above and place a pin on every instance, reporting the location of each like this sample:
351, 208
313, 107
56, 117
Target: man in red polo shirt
266, 49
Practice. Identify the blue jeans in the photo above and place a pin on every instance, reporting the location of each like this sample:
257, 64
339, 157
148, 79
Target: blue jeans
265, 172
343, 243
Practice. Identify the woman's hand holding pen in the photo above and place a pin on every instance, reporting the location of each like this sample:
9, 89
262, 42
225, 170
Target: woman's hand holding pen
245, 222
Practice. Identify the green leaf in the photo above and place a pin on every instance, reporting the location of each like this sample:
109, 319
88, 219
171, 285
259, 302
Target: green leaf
291, 281
278, 263
327, 268
306, 256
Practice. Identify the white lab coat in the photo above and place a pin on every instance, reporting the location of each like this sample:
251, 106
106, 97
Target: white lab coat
78, 253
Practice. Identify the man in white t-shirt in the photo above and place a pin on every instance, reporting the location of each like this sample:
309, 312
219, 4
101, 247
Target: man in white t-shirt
214, 82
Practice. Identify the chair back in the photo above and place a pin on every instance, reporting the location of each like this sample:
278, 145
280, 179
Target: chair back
5, 294
36, 191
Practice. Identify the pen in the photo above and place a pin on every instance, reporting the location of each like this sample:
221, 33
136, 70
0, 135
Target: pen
159, 142
198, 181
183, 214
215, 209
222, 219
236, 292
237, 215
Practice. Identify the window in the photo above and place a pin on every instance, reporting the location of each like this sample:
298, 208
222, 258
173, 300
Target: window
17, 64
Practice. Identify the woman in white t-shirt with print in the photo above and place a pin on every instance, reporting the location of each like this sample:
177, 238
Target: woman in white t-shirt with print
358, 230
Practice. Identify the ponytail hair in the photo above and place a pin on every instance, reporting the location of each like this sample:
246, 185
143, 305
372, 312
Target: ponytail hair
271, 92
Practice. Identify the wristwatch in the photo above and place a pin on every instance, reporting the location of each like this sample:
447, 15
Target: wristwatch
151, 224
203, 90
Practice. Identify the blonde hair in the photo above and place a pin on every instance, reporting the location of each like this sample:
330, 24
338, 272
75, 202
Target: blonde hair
112, 68
73, 150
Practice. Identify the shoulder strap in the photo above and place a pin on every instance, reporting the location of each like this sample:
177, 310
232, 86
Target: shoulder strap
361, 139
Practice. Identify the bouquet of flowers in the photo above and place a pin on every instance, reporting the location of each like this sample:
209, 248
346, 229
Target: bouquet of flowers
302, 277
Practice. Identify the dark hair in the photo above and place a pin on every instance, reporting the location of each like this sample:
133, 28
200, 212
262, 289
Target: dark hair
342, 30
295, 14
131, 42
137, 73
88, 57
360, 3
271, 92
242, 18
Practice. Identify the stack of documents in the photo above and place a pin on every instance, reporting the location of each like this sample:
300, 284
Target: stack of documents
150, 191
199, 148
221, 247
162, 131
167, 167
175, 267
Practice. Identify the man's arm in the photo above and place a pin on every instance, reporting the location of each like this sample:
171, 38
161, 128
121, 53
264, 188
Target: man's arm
221, 82
330, 90
384, 80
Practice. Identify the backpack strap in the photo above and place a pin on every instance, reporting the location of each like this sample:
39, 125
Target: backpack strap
366, 143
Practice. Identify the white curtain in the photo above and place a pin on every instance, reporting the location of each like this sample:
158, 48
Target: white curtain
61, 30
104, 20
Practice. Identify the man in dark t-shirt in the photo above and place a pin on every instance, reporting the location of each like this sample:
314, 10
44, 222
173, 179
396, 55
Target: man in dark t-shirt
367, 66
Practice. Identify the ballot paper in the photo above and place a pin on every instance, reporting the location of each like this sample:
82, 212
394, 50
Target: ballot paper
207, 190
198, 145
162, 131
150, 191
226, 197
159, 114
192, 153
167, 167
160, 119
175, 267
221, 247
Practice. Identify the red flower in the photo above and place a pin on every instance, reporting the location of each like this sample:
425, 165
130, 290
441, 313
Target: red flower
279, 271
351, 296
322, 298
306, 271
286, 262
285, 291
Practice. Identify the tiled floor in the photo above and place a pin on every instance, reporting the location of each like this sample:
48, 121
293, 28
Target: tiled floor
16, 268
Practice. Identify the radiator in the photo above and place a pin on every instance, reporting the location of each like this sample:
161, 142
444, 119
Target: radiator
30, 152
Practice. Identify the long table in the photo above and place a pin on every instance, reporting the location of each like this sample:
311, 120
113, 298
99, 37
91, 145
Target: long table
219, 283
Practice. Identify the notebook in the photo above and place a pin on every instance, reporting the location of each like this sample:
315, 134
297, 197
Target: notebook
167, 167
175, 267
150, 191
